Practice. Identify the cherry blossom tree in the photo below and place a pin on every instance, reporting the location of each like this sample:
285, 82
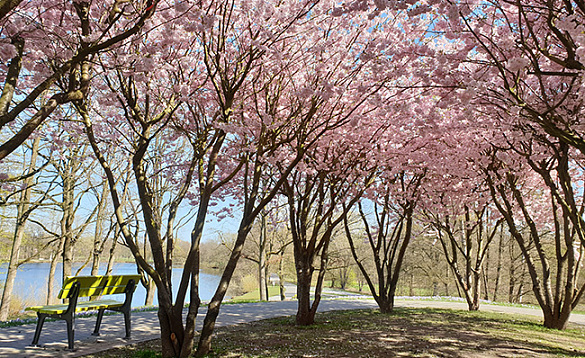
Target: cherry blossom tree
535, 55
315, 210
532, 186
46, 42
518, 63
521, 64
137, 109
200, 98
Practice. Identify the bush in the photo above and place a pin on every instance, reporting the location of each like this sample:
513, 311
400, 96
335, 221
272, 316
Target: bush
249, 283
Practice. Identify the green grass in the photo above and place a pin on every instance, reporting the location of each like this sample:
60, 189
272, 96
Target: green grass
147, 354
255, 295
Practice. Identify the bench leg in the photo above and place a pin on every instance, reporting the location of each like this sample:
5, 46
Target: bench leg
70, 332
98, 323
40, 322
127, 322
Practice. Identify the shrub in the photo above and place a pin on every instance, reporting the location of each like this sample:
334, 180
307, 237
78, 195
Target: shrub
249, 283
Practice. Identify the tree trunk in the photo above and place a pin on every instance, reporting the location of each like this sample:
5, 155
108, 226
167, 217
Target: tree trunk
305, 316
112, 256
520, 291
386, 304
511, 273
485, 275
473, 297
11, 273
511, 287
171, 326
499, 265
204, 345
262, 261
97, 238
447, 274
553, 321
51, 279
23, 212
473, 306
67, 256
67, 224
476, 292
281, 276
150, 291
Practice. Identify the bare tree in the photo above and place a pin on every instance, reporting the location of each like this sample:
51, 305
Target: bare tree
465, 241
24, 210
388, 236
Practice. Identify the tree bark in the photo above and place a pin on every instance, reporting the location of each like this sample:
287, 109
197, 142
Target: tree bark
204, 346
305, 315
112, 252
150, 291
97, 237
67, 220
12, 74
499, 265
52, 269
281, 276
262, 260
23, 211
7, 5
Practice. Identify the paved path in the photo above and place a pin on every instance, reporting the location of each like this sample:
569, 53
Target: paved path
15, 341
528, 311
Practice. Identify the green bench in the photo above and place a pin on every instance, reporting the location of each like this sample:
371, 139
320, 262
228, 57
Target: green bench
93, 287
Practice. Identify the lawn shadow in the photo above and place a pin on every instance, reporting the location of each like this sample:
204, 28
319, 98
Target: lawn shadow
418, 332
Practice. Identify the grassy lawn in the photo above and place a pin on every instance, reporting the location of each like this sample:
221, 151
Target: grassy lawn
255, 295
420, 332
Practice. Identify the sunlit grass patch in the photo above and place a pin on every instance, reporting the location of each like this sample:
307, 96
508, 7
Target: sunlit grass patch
255, 295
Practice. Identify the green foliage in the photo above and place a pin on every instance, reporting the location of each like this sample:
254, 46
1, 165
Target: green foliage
351, 278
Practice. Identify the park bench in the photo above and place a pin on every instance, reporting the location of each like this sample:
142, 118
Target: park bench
93, 287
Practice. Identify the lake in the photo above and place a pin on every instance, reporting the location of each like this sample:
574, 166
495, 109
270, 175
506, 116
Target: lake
31, 282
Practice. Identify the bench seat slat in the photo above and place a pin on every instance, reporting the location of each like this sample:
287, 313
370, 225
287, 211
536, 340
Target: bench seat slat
50, 309
96, 305
81, 306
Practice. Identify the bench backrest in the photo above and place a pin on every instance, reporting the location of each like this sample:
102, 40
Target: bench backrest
90, 286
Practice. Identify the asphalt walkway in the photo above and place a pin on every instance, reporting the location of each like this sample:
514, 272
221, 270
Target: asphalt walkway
15, 341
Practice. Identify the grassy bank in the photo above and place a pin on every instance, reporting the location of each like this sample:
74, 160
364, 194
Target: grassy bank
255, 295
420, 332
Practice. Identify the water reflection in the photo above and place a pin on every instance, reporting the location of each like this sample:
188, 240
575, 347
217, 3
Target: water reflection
31, 282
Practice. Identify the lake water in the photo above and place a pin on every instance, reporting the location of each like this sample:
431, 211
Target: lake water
31, 282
